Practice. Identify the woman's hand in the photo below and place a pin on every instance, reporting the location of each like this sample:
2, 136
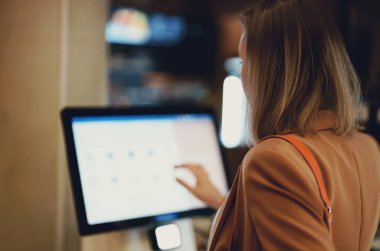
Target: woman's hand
204, 189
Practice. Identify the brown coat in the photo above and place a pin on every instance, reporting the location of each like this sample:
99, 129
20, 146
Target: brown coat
274, 202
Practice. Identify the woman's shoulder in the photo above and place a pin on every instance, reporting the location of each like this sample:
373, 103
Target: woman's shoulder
276, 147
275, 157
274, 154
269, 149
275, 165
362, 138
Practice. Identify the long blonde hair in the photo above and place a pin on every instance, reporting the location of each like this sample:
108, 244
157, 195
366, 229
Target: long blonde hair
297, 65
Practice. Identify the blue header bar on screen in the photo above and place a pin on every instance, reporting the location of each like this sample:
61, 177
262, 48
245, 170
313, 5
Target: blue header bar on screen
121, 118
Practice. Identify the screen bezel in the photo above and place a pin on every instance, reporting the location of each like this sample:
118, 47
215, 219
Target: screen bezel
67, 116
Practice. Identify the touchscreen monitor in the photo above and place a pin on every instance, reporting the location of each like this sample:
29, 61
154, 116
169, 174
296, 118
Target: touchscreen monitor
122, 164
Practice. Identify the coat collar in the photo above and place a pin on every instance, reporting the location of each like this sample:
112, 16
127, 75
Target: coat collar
324, 120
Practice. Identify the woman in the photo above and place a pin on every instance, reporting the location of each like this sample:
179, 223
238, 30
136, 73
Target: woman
298, 81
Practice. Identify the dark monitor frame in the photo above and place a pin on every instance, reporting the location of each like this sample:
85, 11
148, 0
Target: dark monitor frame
68, 114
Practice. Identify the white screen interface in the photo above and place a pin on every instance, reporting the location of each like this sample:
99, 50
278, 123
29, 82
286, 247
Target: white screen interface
126, 163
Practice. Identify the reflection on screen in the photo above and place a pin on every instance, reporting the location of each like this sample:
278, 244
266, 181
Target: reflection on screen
126, 164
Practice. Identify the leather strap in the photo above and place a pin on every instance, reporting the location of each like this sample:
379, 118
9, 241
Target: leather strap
313, 164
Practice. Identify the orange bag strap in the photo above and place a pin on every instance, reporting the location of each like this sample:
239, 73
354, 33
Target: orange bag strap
313, 164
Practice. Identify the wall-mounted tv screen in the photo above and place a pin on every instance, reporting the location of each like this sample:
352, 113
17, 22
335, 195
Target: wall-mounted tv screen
137, 27
176, 43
